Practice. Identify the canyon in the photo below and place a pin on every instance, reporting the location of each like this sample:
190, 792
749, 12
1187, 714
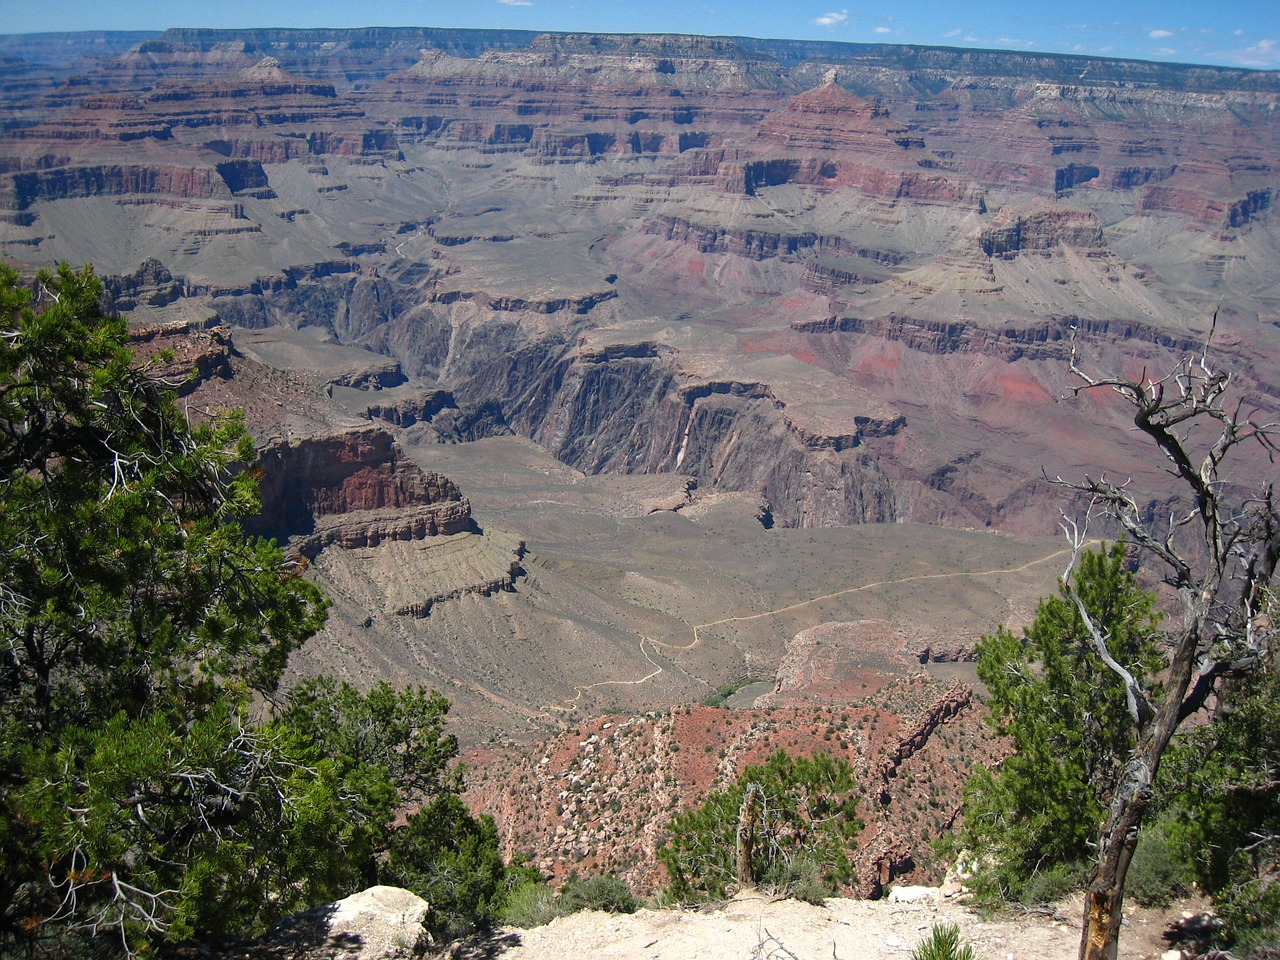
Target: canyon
590, 373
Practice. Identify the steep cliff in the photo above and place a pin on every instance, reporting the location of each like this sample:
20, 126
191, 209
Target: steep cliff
791, 270
221, 180
361, 477
624, 410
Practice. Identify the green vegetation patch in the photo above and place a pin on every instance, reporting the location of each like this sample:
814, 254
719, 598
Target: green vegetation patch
727, 690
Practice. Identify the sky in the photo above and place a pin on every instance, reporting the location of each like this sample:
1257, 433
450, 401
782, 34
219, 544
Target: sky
1238, 33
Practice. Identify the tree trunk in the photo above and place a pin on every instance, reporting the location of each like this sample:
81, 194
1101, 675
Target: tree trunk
1104, 901
747, 814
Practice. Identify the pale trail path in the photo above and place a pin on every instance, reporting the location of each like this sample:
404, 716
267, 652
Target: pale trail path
698, 628
756, 927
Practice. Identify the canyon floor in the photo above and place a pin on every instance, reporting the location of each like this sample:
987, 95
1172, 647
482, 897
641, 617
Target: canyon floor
756, 927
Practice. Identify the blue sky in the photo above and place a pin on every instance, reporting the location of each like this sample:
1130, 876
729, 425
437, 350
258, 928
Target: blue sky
1235, 32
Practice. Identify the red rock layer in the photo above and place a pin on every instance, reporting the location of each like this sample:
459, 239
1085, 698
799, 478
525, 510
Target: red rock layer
598, 798
360, 476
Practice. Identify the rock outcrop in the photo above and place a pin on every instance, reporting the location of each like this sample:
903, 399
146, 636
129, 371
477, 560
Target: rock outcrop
383, 534
223, 180
1040, 228
184, 354
1049, 339
380, 923
355, 489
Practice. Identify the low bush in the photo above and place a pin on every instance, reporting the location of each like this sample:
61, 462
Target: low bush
799, 878
530, 904
599, 892
533, 903
943, 943
1157, 875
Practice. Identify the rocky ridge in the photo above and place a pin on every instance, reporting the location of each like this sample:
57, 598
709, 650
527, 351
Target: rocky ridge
356, 491
598, 798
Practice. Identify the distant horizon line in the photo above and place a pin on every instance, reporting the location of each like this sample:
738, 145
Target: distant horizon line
152, 32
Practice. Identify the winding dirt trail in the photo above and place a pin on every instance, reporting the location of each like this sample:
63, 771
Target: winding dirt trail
698, 628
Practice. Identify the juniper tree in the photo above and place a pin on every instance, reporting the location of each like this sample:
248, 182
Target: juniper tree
154, 783
1064, 710
1216, 555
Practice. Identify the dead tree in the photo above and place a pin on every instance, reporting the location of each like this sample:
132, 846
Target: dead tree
748, 814
1219, 557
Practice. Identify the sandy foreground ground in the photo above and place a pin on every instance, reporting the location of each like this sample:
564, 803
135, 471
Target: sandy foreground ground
754, 927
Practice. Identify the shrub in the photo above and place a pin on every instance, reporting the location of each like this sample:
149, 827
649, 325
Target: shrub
799, 878
808, 810
530, 904
1157, 875
993, 884
943, 943
450, 859
1054, 883
600, 892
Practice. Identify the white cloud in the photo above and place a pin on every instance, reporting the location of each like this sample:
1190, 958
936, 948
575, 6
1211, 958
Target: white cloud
952, 33
1264, 54
881, 30
1163, 52
833, 19
516, 3
1160, 34
1238, 33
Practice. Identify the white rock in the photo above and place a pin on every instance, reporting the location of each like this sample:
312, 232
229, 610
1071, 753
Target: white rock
914, 894
381, 923
1171, 955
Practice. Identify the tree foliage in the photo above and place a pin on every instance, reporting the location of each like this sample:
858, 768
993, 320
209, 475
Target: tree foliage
135, 622
1065, 711
1216, 553
450, 858
1222, 784
808, 816
153, 784
127, 585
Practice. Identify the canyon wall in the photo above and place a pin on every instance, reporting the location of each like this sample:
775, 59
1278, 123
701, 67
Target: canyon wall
837, 277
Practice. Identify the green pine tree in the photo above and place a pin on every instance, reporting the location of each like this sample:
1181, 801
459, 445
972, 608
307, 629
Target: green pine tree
1065, 712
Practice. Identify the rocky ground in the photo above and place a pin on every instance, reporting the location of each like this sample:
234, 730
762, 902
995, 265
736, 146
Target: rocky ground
756, 927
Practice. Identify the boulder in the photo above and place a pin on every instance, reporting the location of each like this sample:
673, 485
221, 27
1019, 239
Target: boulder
914, 894
381, 923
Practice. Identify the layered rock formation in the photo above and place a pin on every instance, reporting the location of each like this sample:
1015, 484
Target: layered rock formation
358, 475
811, 231
357, 492
834, 284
